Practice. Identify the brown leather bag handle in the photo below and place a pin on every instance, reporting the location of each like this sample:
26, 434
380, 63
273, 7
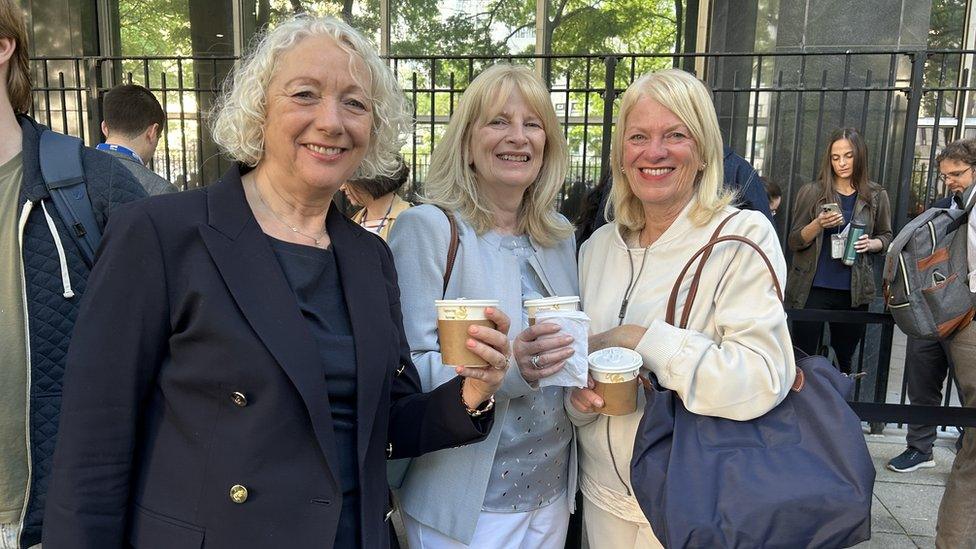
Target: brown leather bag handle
451, 250
673, 298
693, 291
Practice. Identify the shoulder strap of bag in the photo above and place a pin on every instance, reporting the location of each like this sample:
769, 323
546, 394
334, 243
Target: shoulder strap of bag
64, 177
693, 291
452, 249
673, 298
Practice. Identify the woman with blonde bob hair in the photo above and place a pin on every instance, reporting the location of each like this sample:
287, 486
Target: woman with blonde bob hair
497, 170
242, 367
734, 359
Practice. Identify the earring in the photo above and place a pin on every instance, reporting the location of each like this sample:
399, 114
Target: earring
703, 166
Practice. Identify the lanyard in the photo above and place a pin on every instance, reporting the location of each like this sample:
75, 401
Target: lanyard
119, 148
383, 221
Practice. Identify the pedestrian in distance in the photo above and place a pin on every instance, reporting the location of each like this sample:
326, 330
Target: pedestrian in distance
841, 199
133, 122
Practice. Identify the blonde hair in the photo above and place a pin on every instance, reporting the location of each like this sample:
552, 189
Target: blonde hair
689, 100
451, 181
239, 115
13, 26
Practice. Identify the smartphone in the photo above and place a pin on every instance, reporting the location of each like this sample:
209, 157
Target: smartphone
833, 207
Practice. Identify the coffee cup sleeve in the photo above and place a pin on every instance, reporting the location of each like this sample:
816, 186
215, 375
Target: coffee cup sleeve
577, 325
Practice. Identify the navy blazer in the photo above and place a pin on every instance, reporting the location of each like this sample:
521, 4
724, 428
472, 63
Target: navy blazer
185, 384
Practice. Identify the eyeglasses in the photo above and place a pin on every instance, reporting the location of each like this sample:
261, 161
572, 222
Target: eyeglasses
954, 175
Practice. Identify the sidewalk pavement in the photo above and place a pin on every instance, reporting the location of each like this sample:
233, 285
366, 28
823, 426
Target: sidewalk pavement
906, 505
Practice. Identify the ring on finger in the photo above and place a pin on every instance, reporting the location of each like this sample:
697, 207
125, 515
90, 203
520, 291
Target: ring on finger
535, 362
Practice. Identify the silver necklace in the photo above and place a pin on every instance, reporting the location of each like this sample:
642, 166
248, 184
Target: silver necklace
282, 221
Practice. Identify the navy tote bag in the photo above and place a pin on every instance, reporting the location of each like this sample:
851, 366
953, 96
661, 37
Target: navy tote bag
798, 476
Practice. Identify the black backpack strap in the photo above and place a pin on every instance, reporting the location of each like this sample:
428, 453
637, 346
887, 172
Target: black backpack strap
64, 176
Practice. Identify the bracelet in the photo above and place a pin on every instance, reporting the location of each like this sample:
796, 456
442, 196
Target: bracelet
483, 408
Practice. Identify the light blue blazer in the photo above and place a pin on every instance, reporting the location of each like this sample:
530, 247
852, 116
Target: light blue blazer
446, 489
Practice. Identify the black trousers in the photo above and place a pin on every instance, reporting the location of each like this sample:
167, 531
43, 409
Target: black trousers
844, 336
927, 365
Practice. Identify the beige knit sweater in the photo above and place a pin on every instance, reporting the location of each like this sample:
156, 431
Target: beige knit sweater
735, 360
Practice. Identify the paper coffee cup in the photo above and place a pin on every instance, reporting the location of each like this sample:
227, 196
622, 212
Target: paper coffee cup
454, 316
534, 306
615, 371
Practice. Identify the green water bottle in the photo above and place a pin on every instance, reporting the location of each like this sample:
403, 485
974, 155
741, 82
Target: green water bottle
855, 232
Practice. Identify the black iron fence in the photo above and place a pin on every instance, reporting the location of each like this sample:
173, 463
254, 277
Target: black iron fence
775, 109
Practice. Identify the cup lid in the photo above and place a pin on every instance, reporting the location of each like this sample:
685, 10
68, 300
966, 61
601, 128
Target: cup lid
555, 300
615, 360
466, 302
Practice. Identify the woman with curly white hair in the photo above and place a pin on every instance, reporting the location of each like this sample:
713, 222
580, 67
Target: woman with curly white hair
240, 372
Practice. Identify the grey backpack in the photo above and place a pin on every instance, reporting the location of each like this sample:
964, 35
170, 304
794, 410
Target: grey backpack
926, 275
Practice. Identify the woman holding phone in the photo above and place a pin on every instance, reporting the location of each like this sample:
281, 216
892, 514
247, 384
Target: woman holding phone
840, 199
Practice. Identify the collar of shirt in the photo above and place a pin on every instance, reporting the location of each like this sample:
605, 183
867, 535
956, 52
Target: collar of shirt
119, 148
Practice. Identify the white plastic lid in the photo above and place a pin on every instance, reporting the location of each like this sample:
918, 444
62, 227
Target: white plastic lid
615, 360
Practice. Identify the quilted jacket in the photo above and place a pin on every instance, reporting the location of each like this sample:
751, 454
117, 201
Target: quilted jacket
54, 280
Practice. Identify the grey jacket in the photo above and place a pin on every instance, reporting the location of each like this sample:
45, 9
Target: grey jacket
876, 216
445, 490
150, 180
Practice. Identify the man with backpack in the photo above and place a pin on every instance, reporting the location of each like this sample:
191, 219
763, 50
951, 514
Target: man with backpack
927, 361
55, 197
956, 526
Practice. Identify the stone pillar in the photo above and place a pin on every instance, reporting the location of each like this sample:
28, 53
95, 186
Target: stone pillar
212, 33
733, 29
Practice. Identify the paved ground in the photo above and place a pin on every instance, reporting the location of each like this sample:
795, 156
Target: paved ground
905, 504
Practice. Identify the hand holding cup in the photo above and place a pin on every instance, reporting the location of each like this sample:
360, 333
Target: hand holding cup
540, 351
491, 345
585, 399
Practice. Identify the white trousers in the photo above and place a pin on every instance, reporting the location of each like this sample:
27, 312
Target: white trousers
543, 528
606, 530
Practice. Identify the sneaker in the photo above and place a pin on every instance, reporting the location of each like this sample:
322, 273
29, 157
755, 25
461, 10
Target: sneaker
910, 460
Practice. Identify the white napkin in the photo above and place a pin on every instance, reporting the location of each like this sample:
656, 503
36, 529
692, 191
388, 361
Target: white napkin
577, 325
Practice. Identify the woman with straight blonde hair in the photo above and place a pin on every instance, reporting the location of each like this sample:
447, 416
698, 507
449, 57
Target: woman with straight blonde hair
734, 359
496, 171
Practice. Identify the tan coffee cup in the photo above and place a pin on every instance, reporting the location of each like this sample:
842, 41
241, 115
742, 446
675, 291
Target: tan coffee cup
533, 306
614, 371
454, 316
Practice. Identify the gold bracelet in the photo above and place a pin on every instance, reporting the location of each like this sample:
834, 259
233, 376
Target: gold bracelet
481, 409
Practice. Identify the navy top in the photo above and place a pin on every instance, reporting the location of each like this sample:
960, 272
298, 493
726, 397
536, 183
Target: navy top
832, 273
314, 277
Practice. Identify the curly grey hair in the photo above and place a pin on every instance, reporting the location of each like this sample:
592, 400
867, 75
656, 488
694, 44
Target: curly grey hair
239, 115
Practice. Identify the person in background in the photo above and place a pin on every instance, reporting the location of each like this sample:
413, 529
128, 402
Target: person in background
735, 359
132, 122
240, 373
43, 277
380, 204
741, 177
774, 193
819, 281
498, 169
927, 362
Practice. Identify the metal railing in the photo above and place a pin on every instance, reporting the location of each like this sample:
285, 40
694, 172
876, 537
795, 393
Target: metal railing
776, 109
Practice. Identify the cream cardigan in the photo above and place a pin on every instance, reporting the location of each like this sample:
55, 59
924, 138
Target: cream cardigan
734, 361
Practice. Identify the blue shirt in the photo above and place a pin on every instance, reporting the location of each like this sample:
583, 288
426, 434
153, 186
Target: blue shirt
832, 273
